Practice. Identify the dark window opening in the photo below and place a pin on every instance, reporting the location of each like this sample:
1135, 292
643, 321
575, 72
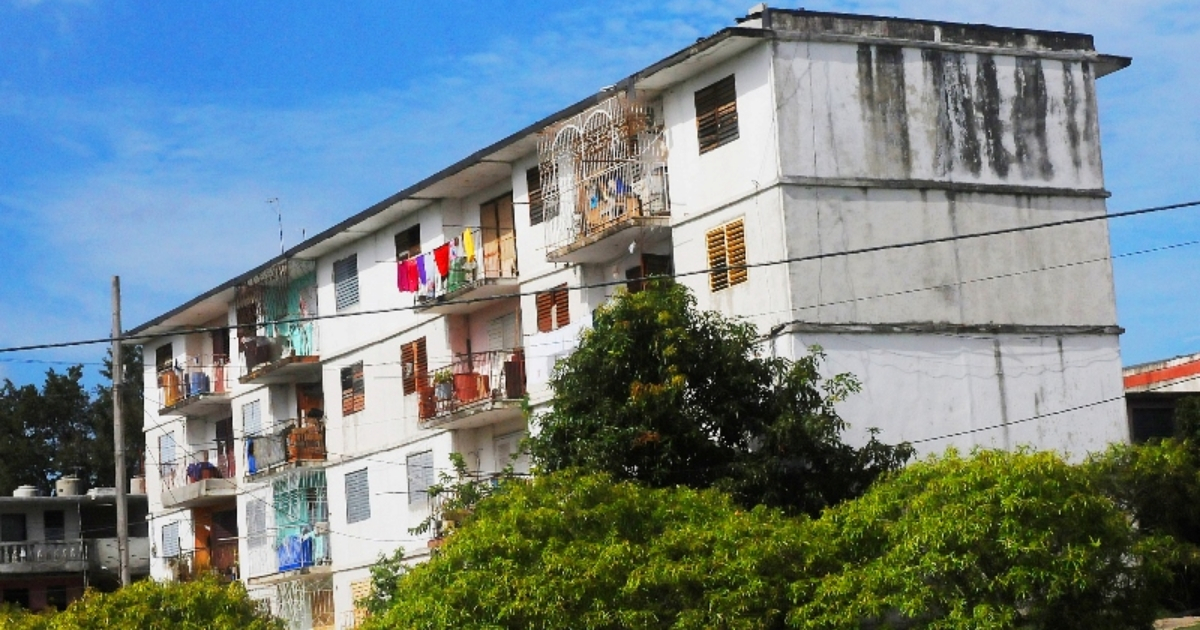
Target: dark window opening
408, 242
533, 180
12, 528
354, 398
716, 114
55, 523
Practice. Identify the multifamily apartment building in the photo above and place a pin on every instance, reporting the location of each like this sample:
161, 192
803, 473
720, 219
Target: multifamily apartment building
305, 406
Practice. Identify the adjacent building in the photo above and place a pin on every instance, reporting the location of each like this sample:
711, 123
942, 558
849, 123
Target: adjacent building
819, 175
1152, 391
52, 548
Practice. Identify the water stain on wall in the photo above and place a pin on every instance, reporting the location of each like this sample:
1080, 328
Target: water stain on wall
987, 90
1031, 106
882, 96
956, 136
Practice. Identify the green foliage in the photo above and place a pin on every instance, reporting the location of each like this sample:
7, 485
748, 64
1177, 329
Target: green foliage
62, 429
999, 540
1158, 483
570, 550
664, 394
1187, 418
457, 494
205, 604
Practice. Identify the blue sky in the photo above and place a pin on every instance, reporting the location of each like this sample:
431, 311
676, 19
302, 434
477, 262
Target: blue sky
144, 139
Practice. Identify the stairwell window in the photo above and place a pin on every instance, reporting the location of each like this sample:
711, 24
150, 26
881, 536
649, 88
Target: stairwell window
716, 114
415, 365
345, 281
354, 396
726, 255
533, 181
553, 309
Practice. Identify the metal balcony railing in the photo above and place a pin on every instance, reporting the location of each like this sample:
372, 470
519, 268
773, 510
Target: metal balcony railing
290, 445
216, 463
198, 376
458, 265
473, 379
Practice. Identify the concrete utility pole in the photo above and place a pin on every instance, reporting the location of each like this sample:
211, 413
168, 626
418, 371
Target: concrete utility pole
118, 381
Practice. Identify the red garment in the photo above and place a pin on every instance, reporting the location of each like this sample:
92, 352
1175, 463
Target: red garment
400, 275
441, 256
407, 276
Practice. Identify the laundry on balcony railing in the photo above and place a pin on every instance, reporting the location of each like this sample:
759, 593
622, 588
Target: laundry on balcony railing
291, 444
476, 255
472, 379
198, 375
216, 463
301, 506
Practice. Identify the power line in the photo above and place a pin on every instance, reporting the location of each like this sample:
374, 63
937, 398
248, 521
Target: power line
596, 285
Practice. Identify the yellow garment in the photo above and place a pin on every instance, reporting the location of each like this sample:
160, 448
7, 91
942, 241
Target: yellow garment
469, 245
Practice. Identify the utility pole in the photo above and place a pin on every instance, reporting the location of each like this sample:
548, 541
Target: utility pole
118, 382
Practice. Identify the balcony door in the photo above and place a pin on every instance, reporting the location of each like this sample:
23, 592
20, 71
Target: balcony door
499, 237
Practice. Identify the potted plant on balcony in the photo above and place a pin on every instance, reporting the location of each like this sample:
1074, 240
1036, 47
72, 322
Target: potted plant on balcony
443, 384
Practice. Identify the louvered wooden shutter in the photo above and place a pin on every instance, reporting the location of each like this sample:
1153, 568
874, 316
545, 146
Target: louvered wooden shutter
353, 389
533, 180
716, 114
408, 363
545, 312
360, 591
718, 275
735, 251
562, 309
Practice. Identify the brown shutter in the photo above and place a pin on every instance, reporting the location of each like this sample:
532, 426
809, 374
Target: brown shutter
718, 275
562, 308
545, 308
735, 251
353, 389
716, 114
360, 388
533, 180
422, 363
408, 366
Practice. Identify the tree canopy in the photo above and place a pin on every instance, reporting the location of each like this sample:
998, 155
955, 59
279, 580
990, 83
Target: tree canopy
664, 394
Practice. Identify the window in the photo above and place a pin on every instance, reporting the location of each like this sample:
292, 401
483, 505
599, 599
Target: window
164, 357
166, 454
354, 398
252, 418
360, 591
358, 496
533, 181
54, 522
256, 523
12, 528
170, 540
17, 597
345, 281
716, 115
420, 476
553, 309
415, 364
408, 243
652, 265
56, 597
726, 255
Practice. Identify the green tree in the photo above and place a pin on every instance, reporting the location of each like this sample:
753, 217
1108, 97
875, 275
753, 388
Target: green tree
998, 540
664, 394
205, 604
577, 551
132, 411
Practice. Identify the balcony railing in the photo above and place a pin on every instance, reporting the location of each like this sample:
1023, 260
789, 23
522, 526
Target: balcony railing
456, 268
471, 381
221, 560
200, 377
216, 463
31, 557
307, 547
290, 445
602, 170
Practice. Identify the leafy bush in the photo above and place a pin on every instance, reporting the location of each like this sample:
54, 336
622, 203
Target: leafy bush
148, 605
577, 551
998, 540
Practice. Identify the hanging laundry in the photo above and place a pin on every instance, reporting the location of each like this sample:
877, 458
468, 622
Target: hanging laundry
422, 278
469, 245
408, 276
441, 257
400, 275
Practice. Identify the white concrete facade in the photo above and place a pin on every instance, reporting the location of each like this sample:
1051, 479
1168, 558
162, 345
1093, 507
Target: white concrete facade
852, 133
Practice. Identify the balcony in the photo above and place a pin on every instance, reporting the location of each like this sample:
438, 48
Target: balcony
477, 389
200, 388
204, 478
42, 557
468, 279
604, 181
220, 560
290, 447
276, 338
